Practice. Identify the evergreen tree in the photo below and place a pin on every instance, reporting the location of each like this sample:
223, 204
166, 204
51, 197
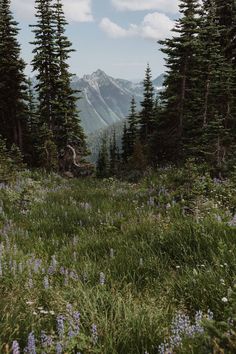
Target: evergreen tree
219, 98
102, 170
125, 145
146, 119
133, 128
45, 64
57, 107
180, 107
33, 127
13, 111
114, 156
68, 125
216, 138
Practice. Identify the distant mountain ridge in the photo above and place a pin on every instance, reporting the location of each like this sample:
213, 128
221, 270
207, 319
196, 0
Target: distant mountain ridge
106, 100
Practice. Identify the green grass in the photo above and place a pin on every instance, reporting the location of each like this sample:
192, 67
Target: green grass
165, 260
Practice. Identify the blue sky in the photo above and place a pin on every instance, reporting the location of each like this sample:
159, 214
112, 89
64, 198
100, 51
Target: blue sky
117, 36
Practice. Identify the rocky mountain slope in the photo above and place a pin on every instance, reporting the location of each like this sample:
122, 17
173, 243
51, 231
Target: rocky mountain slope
105, 100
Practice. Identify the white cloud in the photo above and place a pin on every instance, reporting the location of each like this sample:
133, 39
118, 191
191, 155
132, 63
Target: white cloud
167, 6
154, 26
112, 29
75, 10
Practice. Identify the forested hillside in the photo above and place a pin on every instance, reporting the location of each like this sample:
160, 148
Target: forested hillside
195, 115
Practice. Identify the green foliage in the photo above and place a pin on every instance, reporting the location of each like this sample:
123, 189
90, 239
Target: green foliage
10, 162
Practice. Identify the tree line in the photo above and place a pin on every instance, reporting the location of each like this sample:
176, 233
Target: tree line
195, 115
38, 119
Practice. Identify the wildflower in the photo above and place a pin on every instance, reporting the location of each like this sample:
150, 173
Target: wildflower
224, 299
44, 339
233, 221
112, 253
15, 347
76, 317
69, 309
37, 265
54, 262
60, 326
62, 270
102, 278
46, 282
51, 270
141, 262
44, 312
94, 334
30, 283
59, 348
71, 333
31, 348
210, 315
29, 303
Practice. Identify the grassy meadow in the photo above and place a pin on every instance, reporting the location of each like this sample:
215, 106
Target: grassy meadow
89, 266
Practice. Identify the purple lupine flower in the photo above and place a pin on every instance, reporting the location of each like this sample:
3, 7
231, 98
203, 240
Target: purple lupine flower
44, 340
37, 265
71, 333
59, 348
198, 319
76, 317
94, 334
15, 347
62, 270
60, 326
51, 270
1, 272
31, 347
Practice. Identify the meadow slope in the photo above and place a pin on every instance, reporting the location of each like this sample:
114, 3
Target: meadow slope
90, 266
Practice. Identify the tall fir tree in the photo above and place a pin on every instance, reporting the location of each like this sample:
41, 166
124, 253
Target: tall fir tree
114, 155
45, 63
68, 125
133, 127
58, 115
13, 110
103, 170
125, 145
180, 83
146, 119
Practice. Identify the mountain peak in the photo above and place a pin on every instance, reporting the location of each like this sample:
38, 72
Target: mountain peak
96, 76
99, 72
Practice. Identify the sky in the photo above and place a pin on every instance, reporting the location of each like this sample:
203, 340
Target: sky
117, 36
